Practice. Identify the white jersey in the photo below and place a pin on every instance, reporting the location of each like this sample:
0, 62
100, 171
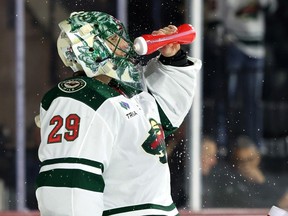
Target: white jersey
244, 22
103, 149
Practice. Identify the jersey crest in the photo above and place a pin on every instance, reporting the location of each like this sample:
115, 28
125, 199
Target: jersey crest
73, 85
155, 143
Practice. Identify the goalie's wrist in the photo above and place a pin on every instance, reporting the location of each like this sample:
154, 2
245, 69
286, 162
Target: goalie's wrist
178, 60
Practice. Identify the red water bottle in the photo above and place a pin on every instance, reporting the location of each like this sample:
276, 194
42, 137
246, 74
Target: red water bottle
147, 44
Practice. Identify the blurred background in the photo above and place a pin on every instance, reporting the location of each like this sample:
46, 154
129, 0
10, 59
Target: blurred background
244, 96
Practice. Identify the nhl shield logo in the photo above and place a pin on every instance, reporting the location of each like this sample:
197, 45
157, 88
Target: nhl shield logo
73, 85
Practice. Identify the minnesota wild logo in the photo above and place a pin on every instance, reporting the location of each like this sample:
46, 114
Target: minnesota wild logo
155, 143
70, 86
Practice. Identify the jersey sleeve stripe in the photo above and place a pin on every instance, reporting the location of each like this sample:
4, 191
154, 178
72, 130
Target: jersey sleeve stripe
71, 178
71, 166
74, 160
139, 208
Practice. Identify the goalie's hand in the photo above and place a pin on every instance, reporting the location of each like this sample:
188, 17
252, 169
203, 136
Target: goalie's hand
171, 49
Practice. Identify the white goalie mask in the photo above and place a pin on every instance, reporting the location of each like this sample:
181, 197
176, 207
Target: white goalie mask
97, 43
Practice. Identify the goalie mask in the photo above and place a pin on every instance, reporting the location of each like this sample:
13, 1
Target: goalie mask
97, 43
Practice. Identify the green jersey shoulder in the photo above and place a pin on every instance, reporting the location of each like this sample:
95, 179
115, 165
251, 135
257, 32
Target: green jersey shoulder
83, 89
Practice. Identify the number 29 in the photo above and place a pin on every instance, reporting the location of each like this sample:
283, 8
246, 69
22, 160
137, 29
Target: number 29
70, 132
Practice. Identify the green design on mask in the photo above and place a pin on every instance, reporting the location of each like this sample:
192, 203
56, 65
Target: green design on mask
88, 55
104, 24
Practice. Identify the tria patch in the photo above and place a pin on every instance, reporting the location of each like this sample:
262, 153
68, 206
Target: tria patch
131, 114
70, 86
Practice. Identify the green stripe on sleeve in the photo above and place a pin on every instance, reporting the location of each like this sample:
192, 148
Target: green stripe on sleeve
139, 208
74, 160
71, 178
